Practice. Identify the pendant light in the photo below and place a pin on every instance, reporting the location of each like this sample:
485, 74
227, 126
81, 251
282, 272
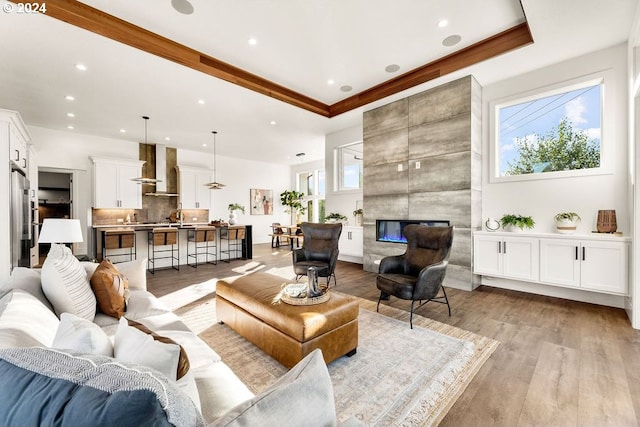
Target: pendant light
144, 180
215, 185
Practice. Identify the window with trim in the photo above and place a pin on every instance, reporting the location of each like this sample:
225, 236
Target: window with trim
348, 167
312, 184
554, 132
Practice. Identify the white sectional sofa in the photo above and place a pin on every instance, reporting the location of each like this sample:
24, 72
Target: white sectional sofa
28, 319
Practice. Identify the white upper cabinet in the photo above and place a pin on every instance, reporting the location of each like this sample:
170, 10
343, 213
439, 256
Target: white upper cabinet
193, 192
18, 149
113, 185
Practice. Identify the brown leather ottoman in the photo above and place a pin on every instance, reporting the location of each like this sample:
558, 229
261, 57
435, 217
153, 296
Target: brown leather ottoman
287, 332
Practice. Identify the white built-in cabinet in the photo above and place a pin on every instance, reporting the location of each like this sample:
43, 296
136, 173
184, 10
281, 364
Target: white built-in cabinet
350, 243
194, 194
506, 256
114, 185
595, 263
19, 150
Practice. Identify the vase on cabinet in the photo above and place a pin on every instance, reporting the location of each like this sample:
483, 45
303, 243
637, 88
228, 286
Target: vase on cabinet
232, 218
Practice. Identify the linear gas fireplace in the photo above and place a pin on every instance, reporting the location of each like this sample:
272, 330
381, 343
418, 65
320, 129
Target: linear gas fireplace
390, 230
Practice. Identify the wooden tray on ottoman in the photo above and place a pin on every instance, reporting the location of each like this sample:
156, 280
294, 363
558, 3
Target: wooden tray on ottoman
250, 306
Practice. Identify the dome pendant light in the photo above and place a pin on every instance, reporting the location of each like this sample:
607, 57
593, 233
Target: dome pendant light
215, 185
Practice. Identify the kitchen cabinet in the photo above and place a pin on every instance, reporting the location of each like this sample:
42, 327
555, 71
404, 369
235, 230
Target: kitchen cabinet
113, 185
587, 264
193, 192
506, 256
18, 150
350, 242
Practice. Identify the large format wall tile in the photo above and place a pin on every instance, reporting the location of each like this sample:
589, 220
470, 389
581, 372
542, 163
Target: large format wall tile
440, 137
449, 100
454, 206
385, 179
441, 173
385, 119
389, 206
389, 147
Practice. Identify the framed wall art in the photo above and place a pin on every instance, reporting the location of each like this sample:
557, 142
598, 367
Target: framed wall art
261, 201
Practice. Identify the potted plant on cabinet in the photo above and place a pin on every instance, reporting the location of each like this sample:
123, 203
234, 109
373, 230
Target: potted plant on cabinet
232, 214
567, 222
358, 214
335, 217
293, 201
512, 222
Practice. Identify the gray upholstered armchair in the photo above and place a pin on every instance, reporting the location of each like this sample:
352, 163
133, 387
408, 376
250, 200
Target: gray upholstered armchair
319, 249
417, 275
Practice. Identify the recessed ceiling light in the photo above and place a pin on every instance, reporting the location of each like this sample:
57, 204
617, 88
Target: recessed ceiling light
346, 88
272, 123
252, 41
330, 81
81, 67
69, 98
70, 115
182, 6
392, 68
451, 40
204, 145
123, 131
70, 127
201, 101
443, 23
166, 138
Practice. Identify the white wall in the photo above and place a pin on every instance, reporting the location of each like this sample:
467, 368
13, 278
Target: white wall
543, 198
343, 202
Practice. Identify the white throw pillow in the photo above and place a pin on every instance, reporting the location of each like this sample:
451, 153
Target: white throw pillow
27, 279
66, 285
78, 334
25, 321
134, 346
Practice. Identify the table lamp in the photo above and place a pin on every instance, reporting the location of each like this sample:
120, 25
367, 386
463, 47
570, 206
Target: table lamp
59, 230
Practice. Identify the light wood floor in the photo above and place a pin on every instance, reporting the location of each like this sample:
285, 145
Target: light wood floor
560, 362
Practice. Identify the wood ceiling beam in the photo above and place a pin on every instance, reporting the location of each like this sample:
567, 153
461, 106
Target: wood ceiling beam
91, 19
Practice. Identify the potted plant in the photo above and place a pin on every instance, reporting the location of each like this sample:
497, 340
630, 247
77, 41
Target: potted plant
335, 217
358, 214
512, 222
293, 202
567, 222
232, 214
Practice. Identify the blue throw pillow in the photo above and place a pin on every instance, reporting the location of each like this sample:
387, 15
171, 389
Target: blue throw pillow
47, 387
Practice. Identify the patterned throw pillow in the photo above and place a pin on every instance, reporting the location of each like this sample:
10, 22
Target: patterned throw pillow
66, 285
111, 289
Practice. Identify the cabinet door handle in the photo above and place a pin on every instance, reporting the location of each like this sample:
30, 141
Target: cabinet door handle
584, 253
504, 247
24, 160
499, 247
17, 159
576, 253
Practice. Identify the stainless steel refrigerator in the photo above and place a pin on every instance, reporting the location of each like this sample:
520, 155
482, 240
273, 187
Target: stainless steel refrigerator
21, 236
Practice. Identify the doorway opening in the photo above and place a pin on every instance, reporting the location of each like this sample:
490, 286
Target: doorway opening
54, 201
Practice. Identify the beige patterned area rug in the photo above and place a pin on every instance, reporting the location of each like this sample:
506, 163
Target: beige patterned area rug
398, 376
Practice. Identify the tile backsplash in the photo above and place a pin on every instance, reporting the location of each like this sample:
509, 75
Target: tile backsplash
157, 214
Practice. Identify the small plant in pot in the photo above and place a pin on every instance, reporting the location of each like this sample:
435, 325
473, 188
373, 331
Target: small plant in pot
512, 222
567, 222
335, 217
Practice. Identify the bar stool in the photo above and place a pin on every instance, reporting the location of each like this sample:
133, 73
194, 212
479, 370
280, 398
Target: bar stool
234, 235
119, 239
203, 241
158, 240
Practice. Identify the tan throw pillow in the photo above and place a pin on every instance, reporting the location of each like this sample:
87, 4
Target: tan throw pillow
111, 289
183, 360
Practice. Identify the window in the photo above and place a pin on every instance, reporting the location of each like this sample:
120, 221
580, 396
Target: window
312, 184
348, 161
552, 133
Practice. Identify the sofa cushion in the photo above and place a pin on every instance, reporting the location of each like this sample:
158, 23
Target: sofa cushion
25, 321
111, 289
66, 285
40, 386
134, 346
306, 390
27, 279
80, 335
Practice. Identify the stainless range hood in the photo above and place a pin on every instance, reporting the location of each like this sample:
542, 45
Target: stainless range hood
161, 179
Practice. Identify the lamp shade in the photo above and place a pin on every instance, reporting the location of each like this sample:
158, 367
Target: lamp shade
58, 230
